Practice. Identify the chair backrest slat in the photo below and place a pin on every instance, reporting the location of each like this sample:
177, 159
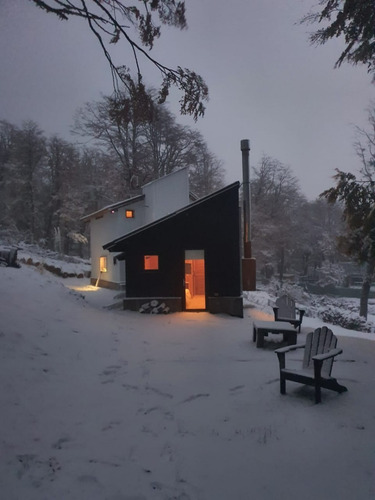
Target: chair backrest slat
308, 350
319, 341
287, 307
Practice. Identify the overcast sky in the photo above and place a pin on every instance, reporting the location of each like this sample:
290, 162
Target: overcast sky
266, 82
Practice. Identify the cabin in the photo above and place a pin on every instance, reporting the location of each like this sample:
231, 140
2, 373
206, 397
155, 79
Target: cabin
188, 259
154, 200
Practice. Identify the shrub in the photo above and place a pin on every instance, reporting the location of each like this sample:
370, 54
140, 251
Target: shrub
346, 319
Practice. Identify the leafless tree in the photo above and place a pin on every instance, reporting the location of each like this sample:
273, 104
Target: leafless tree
116, 21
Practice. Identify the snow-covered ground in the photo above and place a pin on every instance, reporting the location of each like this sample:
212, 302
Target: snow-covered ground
105, 404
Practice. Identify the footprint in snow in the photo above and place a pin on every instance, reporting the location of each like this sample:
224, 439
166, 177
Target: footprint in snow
109, 373
194, 397
236, 388
60, 442
159, 393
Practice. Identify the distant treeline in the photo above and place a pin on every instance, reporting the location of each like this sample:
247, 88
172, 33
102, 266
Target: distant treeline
47, 184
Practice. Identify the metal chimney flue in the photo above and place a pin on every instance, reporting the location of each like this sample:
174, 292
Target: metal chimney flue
245, 148
248, 263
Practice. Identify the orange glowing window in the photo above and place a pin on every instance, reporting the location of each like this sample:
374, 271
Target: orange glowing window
129, 214
103, 264
151, 262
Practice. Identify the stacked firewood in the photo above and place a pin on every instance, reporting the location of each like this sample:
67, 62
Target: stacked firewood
154, 307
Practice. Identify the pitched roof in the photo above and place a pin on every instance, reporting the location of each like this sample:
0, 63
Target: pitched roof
119, 204
112, 244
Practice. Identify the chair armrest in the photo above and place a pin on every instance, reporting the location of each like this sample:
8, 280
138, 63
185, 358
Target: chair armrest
275, 312
301, 314
283, 350
289, 348
327, 355
318, 362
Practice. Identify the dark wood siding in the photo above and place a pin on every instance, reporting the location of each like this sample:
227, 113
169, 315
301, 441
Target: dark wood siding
211, 224
166, 281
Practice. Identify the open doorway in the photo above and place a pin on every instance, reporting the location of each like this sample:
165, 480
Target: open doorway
195, 283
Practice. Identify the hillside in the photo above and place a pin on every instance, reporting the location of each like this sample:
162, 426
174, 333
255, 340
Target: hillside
107, 404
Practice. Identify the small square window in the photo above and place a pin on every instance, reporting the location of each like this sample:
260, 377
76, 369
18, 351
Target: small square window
129, 214
151, 262
103, 264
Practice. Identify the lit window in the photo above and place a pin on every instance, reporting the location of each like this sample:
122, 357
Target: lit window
129, 214
151, 262
103, 264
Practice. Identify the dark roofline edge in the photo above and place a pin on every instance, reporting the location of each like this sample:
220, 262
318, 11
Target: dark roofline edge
166, 217
121, 203
113, 206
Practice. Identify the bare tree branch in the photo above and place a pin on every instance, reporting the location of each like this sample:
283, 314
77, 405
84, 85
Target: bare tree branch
106, 19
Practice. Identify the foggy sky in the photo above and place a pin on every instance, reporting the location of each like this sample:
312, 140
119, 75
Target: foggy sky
266, 82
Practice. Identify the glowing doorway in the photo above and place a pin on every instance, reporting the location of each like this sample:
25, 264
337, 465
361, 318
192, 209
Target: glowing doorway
195, 284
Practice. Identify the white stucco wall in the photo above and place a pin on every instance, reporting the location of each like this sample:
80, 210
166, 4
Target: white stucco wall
107, 228
161, 197
166, 195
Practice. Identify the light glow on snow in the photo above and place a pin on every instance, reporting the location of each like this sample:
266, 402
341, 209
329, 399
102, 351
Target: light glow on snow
84, 288
111, 404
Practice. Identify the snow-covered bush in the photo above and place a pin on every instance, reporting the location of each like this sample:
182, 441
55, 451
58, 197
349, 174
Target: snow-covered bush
65, 266
275, 289
346, 319
330, 274
335, 311
342, 312
77, 237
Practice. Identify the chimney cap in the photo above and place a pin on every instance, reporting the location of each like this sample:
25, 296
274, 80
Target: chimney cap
245, 145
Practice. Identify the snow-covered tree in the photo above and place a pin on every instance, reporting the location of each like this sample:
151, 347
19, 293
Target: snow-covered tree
146, 144
23, 179
63, 191
206, 170
358, 199
351, 20
276, 198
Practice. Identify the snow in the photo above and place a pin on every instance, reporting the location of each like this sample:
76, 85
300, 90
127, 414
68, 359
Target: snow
100, 403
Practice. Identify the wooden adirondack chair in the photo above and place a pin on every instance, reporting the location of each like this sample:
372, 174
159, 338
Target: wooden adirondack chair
320, 349
285, 310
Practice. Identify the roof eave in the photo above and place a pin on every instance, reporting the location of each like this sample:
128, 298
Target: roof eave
114, 206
